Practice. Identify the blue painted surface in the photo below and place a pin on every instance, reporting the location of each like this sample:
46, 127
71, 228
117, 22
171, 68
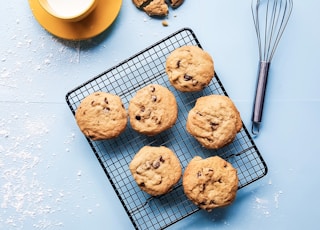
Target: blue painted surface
49, 177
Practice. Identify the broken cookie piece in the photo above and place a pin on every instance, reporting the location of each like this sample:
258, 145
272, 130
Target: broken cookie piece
152, 7
157, 8
175, 3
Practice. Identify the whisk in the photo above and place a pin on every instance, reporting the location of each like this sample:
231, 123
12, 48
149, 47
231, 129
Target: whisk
270, 19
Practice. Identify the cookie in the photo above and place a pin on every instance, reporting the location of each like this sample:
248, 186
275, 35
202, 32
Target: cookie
101, 116
153, 110
210, 183
214, 121
155, 169
158, 8
189, 68
175, 3
152, 7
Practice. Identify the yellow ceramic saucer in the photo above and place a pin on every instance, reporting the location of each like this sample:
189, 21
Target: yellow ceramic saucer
99, 20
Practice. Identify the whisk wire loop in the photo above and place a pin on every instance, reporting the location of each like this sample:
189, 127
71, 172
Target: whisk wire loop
273, 16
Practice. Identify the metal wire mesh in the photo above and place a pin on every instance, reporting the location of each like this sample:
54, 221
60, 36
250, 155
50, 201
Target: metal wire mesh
146, 67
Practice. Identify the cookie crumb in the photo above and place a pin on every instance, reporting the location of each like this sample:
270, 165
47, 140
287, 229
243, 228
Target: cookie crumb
165, 23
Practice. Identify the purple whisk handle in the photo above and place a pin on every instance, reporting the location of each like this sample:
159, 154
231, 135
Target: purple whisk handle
259, 96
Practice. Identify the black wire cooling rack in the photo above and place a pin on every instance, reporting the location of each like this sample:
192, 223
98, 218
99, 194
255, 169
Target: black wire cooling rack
146, 67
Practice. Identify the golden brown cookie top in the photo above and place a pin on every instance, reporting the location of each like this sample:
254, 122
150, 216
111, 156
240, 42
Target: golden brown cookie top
158, 8
101, 116
155, 169
153, 7
189, 68
210, 182
153, 109
214, 121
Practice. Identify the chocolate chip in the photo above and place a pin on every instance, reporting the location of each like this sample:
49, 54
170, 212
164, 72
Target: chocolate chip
202, 187
161, 159
178, 64
186, 77
212, 202
208, 171
199, 174
210, 140
213, 125
156, 164
154, 98
138, 118
156, 120
142, 184
92, 102
107, 109
203, 202
175, 4
152, 88
106, 100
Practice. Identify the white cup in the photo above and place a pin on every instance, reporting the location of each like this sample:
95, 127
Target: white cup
69, 10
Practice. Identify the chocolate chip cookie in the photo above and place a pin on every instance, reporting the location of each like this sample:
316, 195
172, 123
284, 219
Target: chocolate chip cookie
153, 110
175, 3
155, 169
158, 8
214, 121
210, 183
101, 116
189, 68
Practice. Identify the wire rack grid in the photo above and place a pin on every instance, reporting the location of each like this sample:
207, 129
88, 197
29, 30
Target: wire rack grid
114, 156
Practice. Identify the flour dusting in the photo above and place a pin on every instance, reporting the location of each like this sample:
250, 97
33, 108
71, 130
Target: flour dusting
22, 190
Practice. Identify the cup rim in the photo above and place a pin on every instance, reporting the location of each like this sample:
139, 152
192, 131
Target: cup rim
75, 17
